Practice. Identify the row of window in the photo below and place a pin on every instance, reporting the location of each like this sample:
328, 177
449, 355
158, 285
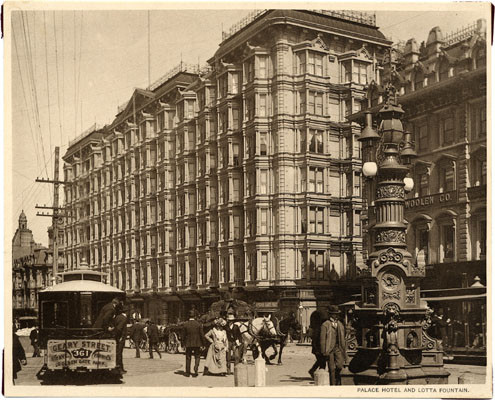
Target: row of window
445, 71
445, 125
441, 245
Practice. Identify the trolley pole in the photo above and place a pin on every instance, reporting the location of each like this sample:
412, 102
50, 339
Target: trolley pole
56, 214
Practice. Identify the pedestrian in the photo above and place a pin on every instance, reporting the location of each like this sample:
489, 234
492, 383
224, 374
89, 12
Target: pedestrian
216, 359
441, 324
153, 337
193, 339
232, 354
332, 344
137, 335
120, 334
106, 315
315, 321
18, 354
34, 337
304, 334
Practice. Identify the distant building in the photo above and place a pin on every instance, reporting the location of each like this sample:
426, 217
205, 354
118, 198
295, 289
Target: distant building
23, 242
31, 270
241, 177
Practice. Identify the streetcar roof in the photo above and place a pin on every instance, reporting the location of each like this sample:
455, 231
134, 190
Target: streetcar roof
82, 271
81, 286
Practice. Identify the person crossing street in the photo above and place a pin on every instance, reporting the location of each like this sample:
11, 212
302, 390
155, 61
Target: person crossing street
153, 338
332, 344
137, 335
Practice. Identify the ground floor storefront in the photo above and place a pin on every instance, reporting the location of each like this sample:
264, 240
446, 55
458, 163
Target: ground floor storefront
170, 308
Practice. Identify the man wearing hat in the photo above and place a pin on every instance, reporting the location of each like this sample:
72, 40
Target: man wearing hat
332, 343
193, 339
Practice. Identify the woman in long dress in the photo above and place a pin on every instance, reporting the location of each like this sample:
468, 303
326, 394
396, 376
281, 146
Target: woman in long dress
216, 359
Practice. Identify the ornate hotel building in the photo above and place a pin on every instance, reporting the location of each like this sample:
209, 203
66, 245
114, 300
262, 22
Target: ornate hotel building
242, 177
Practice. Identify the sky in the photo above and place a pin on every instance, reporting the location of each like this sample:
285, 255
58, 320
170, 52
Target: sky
71, 69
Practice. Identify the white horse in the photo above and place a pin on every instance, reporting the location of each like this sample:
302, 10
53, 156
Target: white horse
249, 334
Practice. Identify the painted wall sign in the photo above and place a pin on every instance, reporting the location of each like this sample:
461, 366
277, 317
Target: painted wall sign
432, 200
77, 353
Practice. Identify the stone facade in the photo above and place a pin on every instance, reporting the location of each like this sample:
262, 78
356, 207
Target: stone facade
240, 177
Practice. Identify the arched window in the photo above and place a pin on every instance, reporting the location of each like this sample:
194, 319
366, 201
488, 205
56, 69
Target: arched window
478, 234
446, 176
443, 70
419, 78
422, 181
478, 169
421, 229
447, 244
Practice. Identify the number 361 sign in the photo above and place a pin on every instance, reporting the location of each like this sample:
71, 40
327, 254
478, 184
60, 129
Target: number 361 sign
77, 353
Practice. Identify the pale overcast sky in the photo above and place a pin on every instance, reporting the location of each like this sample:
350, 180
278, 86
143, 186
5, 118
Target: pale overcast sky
106, 53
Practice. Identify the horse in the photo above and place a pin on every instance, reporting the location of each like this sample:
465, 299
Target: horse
250, 333
283, 328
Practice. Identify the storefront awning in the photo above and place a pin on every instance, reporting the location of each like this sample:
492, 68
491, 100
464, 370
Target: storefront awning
465, 297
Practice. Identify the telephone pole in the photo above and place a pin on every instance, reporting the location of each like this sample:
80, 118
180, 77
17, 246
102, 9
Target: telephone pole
56, 212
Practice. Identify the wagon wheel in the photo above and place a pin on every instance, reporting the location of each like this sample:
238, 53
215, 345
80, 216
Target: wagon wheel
143, 345
173, 343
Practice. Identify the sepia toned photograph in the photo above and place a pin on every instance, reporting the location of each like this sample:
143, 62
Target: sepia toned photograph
217, 200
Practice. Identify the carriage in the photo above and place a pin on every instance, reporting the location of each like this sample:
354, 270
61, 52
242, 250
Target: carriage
67, 313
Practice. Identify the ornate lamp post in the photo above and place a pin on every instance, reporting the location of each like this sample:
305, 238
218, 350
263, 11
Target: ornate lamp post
391, 344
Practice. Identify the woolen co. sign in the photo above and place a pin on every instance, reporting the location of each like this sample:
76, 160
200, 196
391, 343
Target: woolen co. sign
434, 199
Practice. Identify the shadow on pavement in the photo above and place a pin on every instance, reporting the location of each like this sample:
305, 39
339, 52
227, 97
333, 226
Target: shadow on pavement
80, 379
298, 379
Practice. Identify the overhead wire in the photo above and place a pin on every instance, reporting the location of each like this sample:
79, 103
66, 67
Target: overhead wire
33, 185
33, 84
63, 73
79, 66
14, 39
74, 59
47, 81
58, 77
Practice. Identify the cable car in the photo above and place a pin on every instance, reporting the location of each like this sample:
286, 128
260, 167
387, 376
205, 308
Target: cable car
67, 313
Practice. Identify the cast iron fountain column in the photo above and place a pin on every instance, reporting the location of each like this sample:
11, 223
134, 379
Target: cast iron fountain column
389, 318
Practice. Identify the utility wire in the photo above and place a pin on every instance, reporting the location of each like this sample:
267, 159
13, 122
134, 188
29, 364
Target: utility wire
75, 101
14, 39
79, 66
33, 185
63, 74
58, 78
149, 49
47, 82
33, 85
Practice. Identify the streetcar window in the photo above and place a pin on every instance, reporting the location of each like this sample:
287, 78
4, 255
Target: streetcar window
92, 277
86, 317
72, 277
54, 314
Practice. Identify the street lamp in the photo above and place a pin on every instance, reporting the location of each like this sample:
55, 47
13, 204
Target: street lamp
393, 347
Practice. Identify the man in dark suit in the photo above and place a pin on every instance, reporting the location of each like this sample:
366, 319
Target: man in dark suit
33, 336
120, 334
137, 335
153, 338
106, 315
332, 344
193, 339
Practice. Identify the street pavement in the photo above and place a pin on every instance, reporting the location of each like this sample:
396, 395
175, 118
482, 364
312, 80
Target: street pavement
168, 371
